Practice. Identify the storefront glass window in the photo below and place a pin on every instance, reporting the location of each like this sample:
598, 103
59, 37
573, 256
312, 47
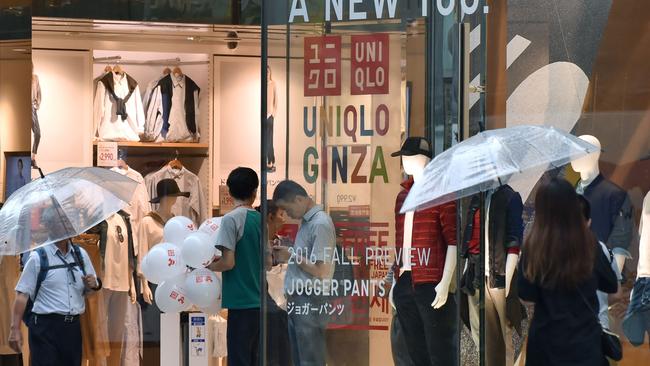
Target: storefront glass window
350, 100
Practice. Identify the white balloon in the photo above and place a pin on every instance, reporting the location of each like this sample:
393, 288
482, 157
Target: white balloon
203, 287
163, 262
177, 229
198, 250
213, 308
171, 297
211, 227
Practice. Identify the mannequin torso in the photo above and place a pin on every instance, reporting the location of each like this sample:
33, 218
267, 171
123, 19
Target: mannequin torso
414, 166
590, 180
643, 269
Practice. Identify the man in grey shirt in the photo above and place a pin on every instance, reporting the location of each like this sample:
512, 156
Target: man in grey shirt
310, 263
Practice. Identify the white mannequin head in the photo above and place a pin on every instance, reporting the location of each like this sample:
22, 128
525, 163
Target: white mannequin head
414, 165
587, 166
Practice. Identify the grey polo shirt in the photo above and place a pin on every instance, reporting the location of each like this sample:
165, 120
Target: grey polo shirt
316, 239
59, 292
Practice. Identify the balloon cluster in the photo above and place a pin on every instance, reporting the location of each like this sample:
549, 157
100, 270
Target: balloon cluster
178, 264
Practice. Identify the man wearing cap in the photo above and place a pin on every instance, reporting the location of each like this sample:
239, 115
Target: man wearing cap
54, 328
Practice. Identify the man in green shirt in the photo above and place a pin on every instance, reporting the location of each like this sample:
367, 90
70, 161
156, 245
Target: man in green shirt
239, 240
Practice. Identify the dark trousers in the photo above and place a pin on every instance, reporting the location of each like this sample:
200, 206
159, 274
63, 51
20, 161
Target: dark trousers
270, 152
398, 344
53, 342
277, 327
431, 335
307, 333
36, 128
243, 336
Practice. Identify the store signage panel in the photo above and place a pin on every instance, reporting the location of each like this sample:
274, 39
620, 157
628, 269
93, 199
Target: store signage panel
106, 153
322, 67
198, 340
350, 10
370, 63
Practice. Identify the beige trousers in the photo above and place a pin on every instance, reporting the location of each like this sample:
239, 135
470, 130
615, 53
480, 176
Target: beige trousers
499, 348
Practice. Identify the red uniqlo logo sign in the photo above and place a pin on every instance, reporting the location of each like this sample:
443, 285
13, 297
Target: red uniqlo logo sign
369, 64
322, 66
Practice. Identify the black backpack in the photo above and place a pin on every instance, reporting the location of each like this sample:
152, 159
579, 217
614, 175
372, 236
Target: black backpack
42, 274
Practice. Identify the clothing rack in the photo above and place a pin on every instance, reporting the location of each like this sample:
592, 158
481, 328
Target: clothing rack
162, 156
117, 60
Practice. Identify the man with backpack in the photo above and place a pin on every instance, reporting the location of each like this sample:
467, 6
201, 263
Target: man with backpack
50, 298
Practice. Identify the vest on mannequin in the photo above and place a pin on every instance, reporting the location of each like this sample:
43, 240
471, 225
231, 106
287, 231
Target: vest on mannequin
643, 269
414, 166
589, 171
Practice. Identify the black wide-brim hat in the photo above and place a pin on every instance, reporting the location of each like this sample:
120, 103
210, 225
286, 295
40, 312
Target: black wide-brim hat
414, 146
168, 188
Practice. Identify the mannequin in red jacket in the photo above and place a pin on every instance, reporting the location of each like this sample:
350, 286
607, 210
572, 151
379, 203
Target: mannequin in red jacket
427, 314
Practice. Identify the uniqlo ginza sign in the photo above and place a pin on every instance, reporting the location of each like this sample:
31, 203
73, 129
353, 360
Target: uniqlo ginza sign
369, 65
322, 66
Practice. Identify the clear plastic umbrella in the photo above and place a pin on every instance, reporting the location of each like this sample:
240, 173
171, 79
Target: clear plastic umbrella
61, 205
491, 159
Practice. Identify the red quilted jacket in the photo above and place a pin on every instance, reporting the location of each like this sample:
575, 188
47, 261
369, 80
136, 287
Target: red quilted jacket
434, 229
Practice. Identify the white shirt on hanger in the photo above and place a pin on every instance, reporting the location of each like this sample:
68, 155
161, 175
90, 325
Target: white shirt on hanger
178, 130
139, 205
111, 126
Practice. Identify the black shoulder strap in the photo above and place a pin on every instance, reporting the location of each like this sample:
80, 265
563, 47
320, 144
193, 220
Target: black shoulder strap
42, 273
76, 251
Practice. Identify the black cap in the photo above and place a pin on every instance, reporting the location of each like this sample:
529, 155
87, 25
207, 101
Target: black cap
168, 188
414, 146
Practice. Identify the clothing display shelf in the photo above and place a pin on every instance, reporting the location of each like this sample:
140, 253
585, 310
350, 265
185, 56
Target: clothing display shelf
162, 145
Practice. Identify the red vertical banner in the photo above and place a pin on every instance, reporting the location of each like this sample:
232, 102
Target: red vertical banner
370, 64
322, 66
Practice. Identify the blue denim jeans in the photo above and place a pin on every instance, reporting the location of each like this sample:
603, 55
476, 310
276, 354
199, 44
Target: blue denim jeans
307, 332
637, 319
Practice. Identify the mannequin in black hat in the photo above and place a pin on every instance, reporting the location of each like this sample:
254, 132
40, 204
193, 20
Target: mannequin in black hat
150, 233
426, 312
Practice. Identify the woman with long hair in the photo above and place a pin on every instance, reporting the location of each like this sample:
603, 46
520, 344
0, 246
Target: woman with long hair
562, 266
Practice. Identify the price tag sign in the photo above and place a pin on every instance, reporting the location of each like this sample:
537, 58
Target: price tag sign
107, 153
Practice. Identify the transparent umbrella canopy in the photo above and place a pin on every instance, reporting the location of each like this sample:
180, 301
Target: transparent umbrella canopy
61, 205
491, 159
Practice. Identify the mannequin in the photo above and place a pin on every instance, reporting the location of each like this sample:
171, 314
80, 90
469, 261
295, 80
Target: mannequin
118, 251
426, 312
643, 268
271, 108
610, 204
36, 127
150, 234
503, 235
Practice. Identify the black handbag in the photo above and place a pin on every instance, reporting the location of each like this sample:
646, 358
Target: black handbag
610, 341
